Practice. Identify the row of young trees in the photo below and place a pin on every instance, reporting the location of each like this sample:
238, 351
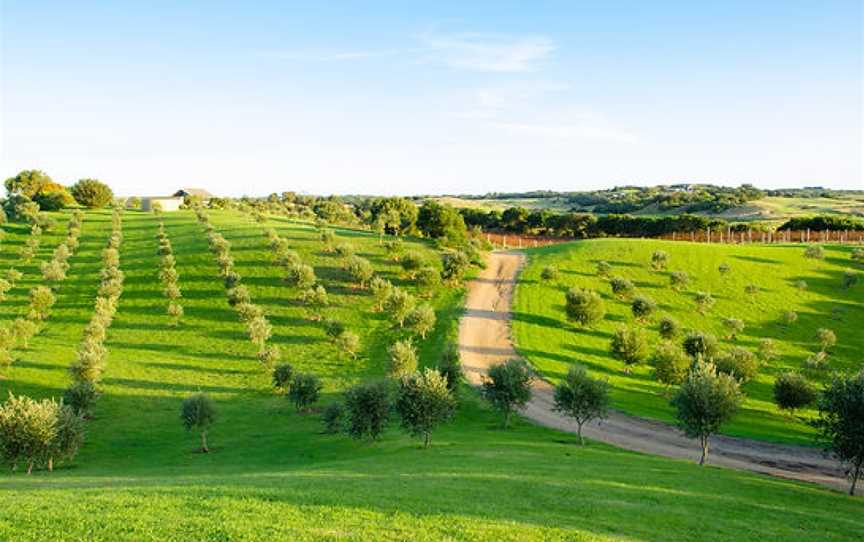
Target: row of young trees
258, 327
55, 269
169, 276
90, 360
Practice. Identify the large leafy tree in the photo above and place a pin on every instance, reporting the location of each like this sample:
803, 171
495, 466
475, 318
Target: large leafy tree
442, 222
841, 422
92, 193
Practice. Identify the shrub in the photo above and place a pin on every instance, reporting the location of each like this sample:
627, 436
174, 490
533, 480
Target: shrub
345, 250
669, 327
699, 344
41, 301
629, 345
348, 342
333, 328
585, 307
398, 304
381, 289
333, 418
424, 401
790, 317
175, 311
300, 276
421, 320
269, 356
733, 326
767, 350
849, 279
857, 254
814, 252
603, 269
841, 422
315, 298
238, 295
81, 397
428, 279
403, 359
670, 364
792, 391
367, 407
679, 280
454, 264
304, 390
724, 268
826, 338
282, 375
659, 260
411, 263
92, 193
643, 307
582, 398
549, 273
199, 413
450, 367
801, 285
22, 330
816, 361
259, 330
704, 302
360, 270
508, 387
752, 290
328, 238
38, 432
738, 363
705, 401
248, 312
621, 287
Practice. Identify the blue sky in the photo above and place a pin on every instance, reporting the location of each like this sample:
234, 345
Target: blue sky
449, 97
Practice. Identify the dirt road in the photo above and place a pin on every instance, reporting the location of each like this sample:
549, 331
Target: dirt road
484, 339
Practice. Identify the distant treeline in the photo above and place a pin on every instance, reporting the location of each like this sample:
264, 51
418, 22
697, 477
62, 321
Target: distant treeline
823, 223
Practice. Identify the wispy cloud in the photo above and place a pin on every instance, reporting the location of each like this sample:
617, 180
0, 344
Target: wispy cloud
330, 56
483, 53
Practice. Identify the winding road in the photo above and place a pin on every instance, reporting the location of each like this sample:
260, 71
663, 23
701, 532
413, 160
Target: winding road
484, 340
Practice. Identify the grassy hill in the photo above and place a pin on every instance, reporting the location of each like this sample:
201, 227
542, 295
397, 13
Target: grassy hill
274, 475
551, 343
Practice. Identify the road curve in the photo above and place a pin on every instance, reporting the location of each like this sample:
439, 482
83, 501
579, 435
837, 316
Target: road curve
484, 340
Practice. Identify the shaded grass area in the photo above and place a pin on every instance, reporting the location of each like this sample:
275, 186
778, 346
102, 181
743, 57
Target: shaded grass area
551, 343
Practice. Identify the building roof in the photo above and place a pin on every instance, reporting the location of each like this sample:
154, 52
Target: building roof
200, 192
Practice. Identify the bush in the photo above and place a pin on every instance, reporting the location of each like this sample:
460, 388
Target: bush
751, 290
360, 270
403, 359
282, 375
367, 407
816, 361
508, 387
412, 262
381, 289
199, 413
454, 265
81, 397
41, 301
450, 367
428, 279
659, 260
733, 326
699, 344
345, 250
857, 254
424, 401
92, 193
679, 280
621, 287
399, 304
704, 302
348, 342
603, 269
670, 364
767, 350
643, 307
421, 320
705, 401
300, 276
549, 273
790, 317
333, 418
849, 279
826, 339
629, 345
801, 285
814, 252
333, 328
38, 432
669, 328
585, 307
724, 268
841, 422
792, 391
738, 363
582, 398
304, 390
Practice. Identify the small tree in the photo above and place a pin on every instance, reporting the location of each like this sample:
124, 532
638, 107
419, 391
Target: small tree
789, 318
300, 276
857, 254
41, 301
348, 342
733, 326
629, 345
704, 302
333, 417
849, 279
801, 285
81, 397
403, 359
22, 330
360, 270
198, 413
751, 290
585, 307
699, 344
328, 239
260, 331
841, 422
315, 299
282, 375
399, 304
549, 273
738, 363
659, 260
814, 252
381, 289
367, 407
705, 401
603, 269
724, 268
767, 350
669, 328
508, 387
643, 307
345, 250
424, 402
421, 320
582, 398
304, 391
450, 367
428, 278
175, 311
411, 263
679, 280
792, 391
826, 339
670, 364
621, 287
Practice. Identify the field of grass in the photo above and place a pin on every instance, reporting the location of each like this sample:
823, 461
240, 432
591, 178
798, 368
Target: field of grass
551, 343
272, 474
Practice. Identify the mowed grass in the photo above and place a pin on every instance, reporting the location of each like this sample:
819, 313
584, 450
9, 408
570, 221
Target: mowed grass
273, 474
551, 343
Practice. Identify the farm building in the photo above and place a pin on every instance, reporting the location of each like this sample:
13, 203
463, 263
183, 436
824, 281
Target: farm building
195, 193
168, 203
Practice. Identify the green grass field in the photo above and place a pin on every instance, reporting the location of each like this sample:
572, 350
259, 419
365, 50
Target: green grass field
551, 343
273, 474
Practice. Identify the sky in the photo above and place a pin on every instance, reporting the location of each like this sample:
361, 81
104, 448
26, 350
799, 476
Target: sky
432, 97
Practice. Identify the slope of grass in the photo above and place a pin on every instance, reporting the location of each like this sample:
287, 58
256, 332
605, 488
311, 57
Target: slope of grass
551, 343
274, 475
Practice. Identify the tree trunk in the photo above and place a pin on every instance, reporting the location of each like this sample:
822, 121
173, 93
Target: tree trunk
30, 467
51, 464
204, 447
704, 457
855, 475
579, 432
426, 439
506, 419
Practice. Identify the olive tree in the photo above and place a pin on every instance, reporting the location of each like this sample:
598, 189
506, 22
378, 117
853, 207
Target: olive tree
421, 320
282, 375
669, 327
41, 301
549, 273
849, 279
399, 304
450, 367
739, 363
826, 339
603, 269
367, 409
508, 387
767, 350
621, 287
704, 302
733, 326
582, 398
643, 307
670, 364
198, 413
630, 345
679, 280
841, 422
360, 270
403, 359
705, 401
348, 342
304, 390
814, 252
585, 307
424, 402
699, 344
454, 264
792, 391
659, 260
